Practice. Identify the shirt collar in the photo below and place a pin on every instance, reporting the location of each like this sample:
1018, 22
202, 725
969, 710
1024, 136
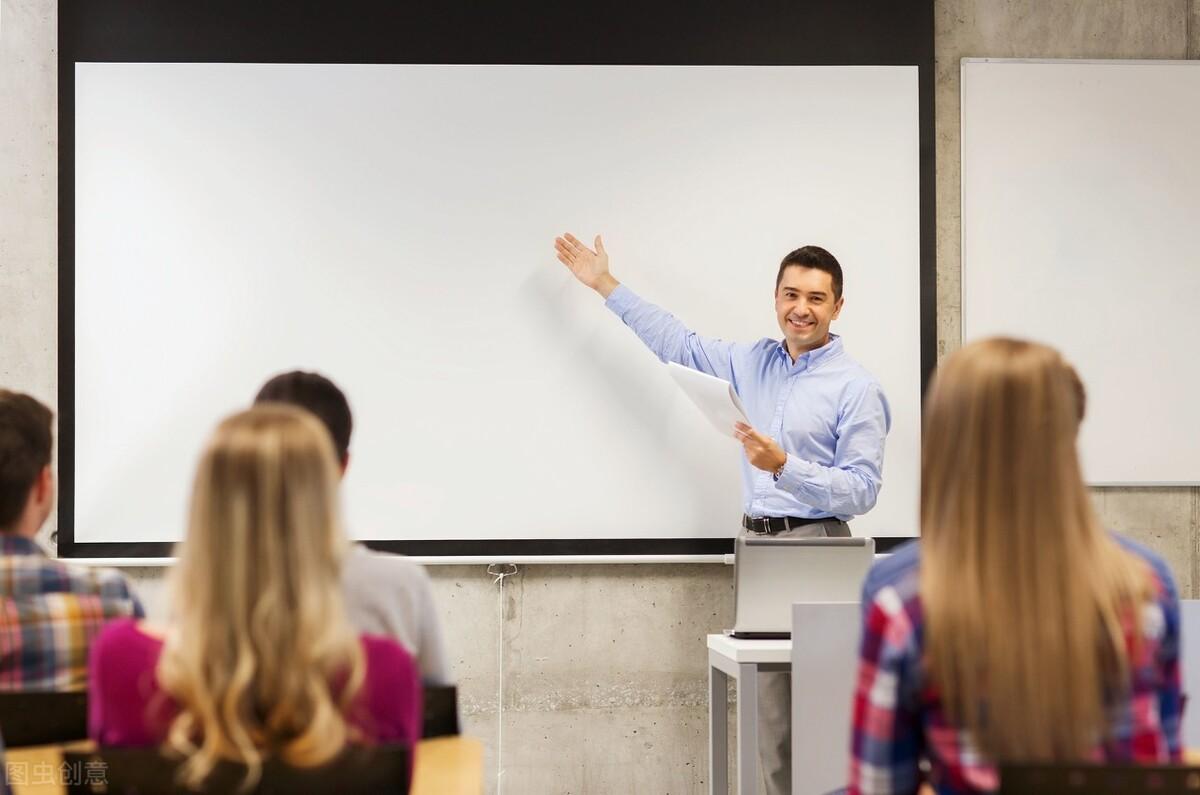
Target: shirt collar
19, 545
814, 358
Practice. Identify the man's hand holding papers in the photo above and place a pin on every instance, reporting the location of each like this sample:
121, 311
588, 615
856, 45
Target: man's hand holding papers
761, 451
714, 396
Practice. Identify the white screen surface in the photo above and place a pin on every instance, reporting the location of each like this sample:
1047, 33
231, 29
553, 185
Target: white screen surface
392, 227
1080, 205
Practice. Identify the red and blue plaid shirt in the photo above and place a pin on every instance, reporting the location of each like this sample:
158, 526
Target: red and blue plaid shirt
49, 614
900, 722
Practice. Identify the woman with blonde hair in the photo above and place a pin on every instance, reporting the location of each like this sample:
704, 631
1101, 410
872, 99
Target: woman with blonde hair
260, 660
1016, 629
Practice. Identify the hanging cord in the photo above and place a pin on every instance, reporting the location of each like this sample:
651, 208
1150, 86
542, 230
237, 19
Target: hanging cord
499, 572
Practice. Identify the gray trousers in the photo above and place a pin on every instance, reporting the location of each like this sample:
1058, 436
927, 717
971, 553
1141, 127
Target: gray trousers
775, 692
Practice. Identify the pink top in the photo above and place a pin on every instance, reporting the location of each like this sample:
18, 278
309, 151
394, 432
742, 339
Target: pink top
127, 707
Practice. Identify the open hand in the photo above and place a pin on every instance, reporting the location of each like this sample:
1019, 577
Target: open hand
589, 267
761, 451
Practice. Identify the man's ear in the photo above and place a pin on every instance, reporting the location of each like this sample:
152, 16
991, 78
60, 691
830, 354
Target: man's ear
344, 463
837, 308
43, 486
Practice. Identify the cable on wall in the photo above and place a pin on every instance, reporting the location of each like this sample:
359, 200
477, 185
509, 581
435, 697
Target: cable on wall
499, 572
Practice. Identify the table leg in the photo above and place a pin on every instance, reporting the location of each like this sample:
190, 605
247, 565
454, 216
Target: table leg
747, 728
718, 731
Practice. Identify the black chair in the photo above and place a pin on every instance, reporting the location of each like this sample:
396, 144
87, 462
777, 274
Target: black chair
145, 771
441, 711
1094, 779
43, 718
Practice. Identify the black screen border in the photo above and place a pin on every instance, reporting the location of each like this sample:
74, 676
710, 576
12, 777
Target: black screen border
622, 32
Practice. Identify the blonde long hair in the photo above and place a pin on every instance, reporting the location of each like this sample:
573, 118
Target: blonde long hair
261, 659
1027, 599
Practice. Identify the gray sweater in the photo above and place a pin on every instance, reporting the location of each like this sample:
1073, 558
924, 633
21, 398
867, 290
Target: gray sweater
390, 595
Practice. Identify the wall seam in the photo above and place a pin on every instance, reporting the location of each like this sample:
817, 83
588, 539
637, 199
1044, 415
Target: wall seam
1189, 11
1195, 532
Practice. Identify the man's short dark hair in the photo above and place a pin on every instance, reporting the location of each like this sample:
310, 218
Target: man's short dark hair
813, 257
25, 445
320, 396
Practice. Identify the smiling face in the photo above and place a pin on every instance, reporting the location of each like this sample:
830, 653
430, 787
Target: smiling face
805, 306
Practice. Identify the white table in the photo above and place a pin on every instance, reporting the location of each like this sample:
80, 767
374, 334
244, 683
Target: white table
742, 660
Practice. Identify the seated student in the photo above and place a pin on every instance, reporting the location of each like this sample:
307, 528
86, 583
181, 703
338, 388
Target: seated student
385, 594
260, 658
1016, 629
49, 612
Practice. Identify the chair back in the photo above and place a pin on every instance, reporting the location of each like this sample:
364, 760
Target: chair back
43, 718
441, 711
1087, 779
146, 771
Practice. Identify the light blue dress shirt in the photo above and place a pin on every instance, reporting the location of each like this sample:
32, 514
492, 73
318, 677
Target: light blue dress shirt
827, 413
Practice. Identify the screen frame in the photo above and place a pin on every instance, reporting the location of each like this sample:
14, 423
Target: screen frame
827, 32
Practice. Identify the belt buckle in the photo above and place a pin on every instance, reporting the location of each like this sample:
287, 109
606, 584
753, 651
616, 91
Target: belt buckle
761, 525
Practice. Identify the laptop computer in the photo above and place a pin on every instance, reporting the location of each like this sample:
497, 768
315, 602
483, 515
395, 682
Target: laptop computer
771, 574
1092, 779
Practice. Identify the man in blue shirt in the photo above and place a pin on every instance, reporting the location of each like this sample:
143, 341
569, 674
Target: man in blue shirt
814, 455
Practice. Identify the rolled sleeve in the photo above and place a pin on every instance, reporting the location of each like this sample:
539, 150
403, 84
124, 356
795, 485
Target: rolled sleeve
851, 486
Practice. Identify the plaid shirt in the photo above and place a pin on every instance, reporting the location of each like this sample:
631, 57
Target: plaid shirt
900, 721
49, 614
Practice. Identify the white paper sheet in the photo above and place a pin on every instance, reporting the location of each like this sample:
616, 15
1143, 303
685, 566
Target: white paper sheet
714, 396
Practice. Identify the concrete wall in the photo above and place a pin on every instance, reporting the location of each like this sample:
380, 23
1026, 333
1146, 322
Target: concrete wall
1167, 519
603, 666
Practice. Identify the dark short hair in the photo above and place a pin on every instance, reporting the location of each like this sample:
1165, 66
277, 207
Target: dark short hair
320, 396
25, 445
817, 258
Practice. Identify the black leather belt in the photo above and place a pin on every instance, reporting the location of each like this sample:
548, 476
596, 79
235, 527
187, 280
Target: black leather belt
770, 525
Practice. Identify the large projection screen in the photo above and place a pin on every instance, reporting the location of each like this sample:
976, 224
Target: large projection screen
391, 226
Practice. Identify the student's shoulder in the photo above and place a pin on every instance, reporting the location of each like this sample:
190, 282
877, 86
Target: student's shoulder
111, 582
94, 580
124, 639
1164, 580
891, 604
362, 564
121, 665
118, 630
898, 574
82, 573
387, 659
